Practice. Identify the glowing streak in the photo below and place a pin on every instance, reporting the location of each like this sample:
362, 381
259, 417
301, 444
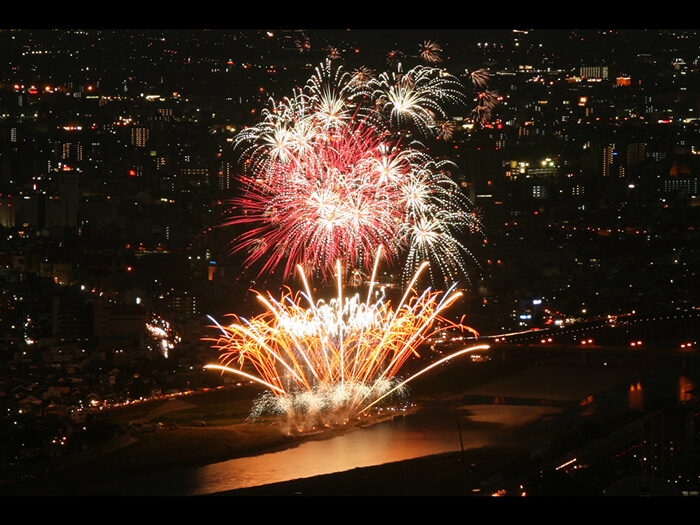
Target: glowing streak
333, 357
246, 331
217, 324
248, 376
564, 465
436, 363
374, 274
342, 348
275, 311
429, 320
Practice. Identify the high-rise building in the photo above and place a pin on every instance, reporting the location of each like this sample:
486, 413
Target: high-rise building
61, 208
608, 156
139, 136
225, 175
594, 72
72, 151
7, 211
636, 153
195, 176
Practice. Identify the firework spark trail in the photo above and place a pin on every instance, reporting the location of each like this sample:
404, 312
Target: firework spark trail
430, 52
480, 78
417, 96
341, 195
426, 369
345, 200
333, 173
343, 355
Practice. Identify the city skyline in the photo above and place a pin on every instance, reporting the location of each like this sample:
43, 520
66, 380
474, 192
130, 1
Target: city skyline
118, 166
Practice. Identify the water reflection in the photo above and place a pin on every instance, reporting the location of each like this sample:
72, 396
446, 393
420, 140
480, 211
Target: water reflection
636, 396
686, 385
405, 437
639, 394
438, 429
432, 431
586, 406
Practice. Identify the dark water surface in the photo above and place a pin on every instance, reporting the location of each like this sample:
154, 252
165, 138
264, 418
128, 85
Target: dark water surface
437, 429
427, 432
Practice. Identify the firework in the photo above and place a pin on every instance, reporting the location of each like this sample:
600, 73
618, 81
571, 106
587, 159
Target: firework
284, 133
327, 177
328, 206
345, 200
303, 44
446, 130
332, 52
363, 74
481, 113
394, 58
334, 95
326, 362
430, 52
417, 97
486, 102
480, 78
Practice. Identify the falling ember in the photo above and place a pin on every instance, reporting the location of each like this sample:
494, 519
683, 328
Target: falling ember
323, 362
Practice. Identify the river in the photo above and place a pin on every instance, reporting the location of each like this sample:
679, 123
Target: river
434, 430
488, 418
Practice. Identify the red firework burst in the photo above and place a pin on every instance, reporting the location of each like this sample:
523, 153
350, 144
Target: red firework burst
342, 200
328, 178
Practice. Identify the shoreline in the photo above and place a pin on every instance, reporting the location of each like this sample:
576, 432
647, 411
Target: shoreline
199, 447
116, 460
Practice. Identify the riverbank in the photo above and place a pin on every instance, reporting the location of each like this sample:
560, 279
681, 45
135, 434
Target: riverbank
169, 449
537, 391
191, 447
470, 473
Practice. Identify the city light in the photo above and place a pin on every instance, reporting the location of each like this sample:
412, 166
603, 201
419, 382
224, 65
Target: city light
336, 190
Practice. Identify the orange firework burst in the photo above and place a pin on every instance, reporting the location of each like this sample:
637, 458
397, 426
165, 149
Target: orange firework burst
431, 52
328, 362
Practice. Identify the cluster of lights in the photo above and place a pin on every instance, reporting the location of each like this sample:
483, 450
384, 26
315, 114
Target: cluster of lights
162, 332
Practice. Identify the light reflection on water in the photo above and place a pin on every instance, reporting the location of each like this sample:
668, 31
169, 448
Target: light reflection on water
685, 386
405, 437
428, 432
640, 393
382, 443
636, 396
